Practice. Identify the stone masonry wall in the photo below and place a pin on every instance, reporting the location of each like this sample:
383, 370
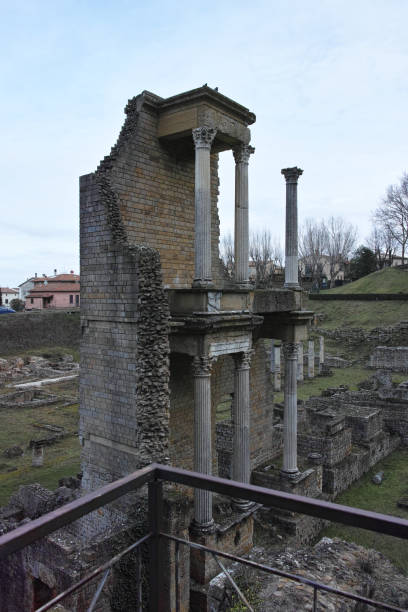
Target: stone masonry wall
155, 193
124, 346
390, 358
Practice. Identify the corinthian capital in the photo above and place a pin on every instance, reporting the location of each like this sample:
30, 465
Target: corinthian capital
243, 360
242, 153
290, 350
202, 366
203, 137
292, 174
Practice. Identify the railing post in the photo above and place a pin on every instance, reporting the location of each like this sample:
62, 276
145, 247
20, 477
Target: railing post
156, 595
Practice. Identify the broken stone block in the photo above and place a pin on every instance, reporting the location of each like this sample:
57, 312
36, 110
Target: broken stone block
13, 451
378, 478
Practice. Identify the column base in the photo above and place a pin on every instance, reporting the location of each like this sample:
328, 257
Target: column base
202, 529
242, 505
292, 286
290, 474
202, 283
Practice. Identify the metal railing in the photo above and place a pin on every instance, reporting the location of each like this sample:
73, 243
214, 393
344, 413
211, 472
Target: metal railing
154, 476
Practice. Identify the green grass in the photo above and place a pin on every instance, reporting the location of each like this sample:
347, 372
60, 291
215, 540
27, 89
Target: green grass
388, 280
379, 498
60, 459
345, 376
366, 315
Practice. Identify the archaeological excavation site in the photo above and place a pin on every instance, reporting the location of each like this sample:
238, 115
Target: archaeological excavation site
206, 480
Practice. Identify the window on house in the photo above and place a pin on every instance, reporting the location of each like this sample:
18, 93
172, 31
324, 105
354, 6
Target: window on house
77, 300
6, 301
32, 300
71, 299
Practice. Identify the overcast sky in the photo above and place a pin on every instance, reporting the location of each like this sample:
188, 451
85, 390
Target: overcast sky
326, 79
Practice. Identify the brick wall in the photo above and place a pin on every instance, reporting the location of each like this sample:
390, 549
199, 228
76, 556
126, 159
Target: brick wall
155, 192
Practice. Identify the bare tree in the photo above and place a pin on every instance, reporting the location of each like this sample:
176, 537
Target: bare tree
383, 244
313, 244
341, 241
392, 214
227, 254
266, 254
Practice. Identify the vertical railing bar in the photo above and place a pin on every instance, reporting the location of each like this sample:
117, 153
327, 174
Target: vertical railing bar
155, 493
99, 590
177, 577
314, 599
234, 584
139, 580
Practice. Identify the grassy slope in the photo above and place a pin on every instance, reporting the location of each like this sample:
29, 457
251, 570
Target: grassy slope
360, 314
388, 280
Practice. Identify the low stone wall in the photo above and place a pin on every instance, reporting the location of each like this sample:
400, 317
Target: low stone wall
394, 335
26, 330
393, 358
339, 477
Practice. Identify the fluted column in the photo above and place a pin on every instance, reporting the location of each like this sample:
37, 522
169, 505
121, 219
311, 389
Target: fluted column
241, 239
311, 360
300, 363
203, 521
291, 239
289, 467
241, 460
277, 370
203, 138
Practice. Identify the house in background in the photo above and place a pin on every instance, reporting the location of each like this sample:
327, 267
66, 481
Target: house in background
59, 291
7, 295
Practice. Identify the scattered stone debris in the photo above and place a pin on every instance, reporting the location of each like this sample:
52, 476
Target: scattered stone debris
50, 366
13, 451
341, 565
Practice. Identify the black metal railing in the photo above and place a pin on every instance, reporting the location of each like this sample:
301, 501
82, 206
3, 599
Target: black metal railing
154, 476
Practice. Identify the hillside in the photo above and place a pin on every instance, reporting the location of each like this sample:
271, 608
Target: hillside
388, 280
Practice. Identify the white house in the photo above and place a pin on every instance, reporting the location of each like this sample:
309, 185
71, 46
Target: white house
7, 295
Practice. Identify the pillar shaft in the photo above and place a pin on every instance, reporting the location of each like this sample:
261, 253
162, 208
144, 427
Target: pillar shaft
300, 362
311, 360
241, 460
291, 234
202, 440
277, 372
203, 138
321, 352
289, 467
241, 238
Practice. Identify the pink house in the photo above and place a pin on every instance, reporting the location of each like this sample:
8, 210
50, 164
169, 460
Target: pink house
60, 291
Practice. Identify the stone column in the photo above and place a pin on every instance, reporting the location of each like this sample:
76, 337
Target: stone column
321, 353
277, 372
289, 467
241, 239
291, 239
241, 460
203, 138
300, 363
203, 521
311, 360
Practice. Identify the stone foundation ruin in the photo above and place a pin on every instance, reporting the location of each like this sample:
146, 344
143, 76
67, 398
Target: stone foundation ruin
166, 337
